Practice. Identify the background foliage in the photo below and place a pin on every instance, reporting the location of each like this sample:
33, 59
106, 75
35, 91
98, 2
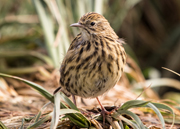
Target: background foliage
35, 35
150, 28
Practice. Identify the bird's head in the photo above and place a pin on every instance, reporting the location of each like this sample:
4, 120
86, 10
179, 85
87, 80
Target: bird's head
93, 23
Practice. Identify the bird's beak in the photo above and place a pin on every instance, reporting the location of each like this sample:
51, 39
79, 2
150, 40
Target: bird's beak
76, 25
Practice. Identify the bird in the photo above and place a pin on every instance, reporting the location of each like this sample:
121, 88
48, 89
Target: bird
94, 61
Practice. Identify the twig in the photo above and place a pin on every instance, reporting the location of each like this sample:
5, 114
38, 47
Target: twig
144, 91
171, 71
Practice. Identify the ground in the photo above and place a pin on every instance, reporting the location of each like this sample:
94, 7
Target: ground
18, 101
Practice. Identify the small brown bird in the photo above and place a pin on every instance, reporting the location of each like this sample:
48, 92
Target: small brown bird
94, 61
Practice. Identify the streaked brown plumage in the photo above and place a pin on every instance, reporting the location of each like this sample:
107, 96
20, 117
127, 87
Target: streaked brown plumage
95, 59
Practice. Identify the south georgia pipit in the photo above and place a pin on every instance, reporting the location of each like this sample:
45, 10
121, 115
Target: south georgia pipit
94, 61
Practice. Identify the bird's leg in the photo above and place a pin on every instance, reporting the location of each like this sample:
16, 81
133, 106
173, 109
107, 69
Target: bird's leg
74, 100
102, 108
103, 111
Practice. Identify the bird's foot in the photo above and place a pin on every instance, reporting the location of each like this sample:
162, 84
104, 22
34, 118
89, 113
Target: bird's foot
104, 112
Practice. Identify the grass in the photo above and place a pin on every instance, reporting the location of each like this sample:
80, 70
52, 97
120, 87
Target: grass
77, 118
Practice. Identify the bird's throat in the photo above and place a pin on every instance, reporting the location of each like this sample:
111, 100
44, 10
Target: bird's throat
85, 35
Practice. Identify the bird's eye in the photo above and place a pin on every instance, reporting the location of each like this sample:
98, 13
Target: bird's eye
92, 23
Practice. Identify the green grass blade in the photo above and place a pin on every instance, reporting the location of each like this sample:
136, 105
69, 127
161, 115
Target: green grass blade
68, 111
40, 112
158, 113
132, 124
35, 86
56, 111
2, 126
62, 34
119, 117
134, 116
163, 106
126, 127
121, 124
68, 101
81, 7
132, 104
98, 6
89, 4
48, 28
80, 117
78, 123
41, 121
22, 125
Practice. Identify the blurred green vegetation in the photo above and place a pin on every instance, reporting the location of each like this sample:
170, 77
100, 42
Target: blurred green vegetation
152, 30
37, 33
